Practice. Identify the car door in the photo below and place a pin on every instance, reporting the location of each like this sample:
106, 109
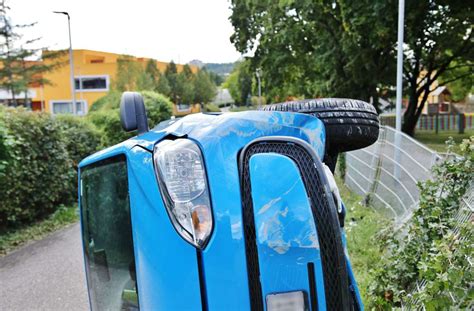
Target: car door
107, 235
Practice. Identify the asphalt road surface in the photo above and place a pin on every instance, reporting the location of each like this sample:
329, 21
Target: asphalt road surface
45, 275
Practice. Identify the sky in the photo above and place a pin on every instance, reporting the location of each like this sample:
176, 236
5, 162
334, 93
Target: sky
179, 30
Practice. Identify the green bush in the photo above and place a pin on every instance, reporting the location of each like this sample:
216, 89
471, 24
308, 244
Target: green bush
82, 138
107, 102
38, 167
433, 246
39, 155
105, 115
158, 106
108, 123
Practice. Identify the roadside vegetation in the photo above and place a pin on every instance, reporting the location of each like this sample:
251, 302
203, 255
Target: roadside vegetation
39, 157
363, 227
437, 142
429, 260
12, 239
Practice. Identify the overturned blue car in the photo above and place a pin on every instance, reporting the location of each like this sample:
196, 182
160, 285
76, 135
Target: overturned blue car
232, 211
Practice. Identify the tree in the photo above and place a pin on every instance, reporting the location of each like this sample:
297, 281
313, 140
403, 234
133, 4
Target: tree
438, 42
128, 73
20, 65
216, 78
171, 75
184, 88
317, 48
181, 85
145, 81
204, 87
152, 71
163, 85
347, 48
239, 82
462, 86
187, 72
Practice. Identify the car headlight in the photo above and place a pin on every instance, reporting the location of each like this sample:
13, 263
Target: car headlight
182, 177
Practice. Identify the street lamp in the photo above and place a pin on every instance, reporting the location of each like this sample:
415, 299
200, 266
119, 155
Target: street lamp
71, 63
401, 15
398, 106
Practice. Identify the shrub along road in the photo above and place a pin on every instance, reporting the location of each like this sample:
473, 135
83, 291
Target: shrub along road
45, 275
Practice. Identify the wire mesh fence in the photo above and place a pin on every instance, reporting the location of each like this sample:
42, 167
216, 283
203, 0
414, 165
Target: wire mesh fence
465, 214
387, 172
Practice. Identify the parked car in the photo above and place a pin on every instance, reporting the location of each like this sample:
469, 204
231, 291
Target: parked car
232, 211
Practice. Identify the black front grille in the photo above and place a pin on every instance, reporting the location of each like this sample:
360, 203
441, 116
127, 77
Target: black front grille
324, 213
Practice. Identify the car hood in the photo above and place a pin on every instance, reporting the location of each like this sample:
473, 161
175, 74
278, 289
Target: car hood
213, 128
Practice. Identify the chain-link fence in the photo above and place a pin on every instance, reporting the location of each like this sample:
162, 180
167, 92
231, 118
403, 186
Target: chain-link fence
387, 172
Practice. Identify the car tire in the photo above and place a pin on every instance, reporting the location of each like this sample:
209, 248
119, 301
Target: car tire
350, 124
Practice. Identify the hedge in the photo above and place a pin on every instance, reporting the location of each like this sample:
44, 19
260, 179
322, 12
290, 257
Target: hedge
39, 154
104, 114
38, 161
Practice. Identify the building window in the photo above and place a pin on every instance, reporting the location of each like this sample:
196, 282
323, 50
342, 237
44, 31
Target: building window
65, 107
92, 83
444, 107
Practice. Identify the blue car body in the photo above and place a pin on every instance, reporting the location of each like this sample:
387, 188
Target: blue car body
172, 274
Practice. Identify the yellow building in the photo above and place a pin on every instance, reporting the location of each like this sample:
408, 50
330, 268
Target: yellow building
94, 72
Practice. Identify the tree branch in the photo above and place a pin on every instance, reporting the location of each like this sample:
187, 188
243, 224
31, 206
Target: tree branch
455, 55
425, 86
422, 103
459, 66
457, 78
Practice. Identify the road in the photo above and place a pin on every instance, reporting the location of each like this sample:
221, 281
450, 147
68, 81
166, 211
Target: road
45, 275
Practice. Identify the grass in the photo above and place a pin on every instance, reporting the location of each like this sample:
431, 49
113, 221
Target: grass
211, 108
13, 239
437, 142
362, 227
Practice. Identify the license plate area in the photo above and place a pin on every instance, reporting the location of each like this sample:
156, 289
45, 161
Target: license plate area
289, 301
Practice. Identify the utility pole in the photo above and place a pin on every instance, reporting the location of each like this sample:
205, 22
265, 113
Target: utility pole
71, 63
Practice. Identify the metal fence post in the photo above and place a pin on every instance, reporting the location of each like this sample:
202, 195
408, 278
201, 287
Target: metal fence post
377, 161
461, 123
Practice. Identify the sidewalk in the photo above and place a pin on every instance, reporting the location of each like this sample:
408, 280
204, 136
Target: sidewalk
45, 275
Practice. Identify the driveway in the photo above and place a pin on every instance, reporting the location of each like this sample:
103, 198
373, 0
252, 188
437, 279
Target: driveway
45, 275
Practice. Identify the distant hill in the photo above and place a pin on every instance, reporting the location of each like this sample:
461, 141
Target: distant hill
196, 62
222, 69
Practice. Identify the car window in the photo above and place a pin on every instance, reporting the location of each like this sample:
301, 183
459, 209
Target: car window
107, 236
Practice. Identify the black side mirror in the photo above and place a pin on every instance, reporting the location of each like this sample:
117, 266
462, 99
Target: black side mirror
133, 113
